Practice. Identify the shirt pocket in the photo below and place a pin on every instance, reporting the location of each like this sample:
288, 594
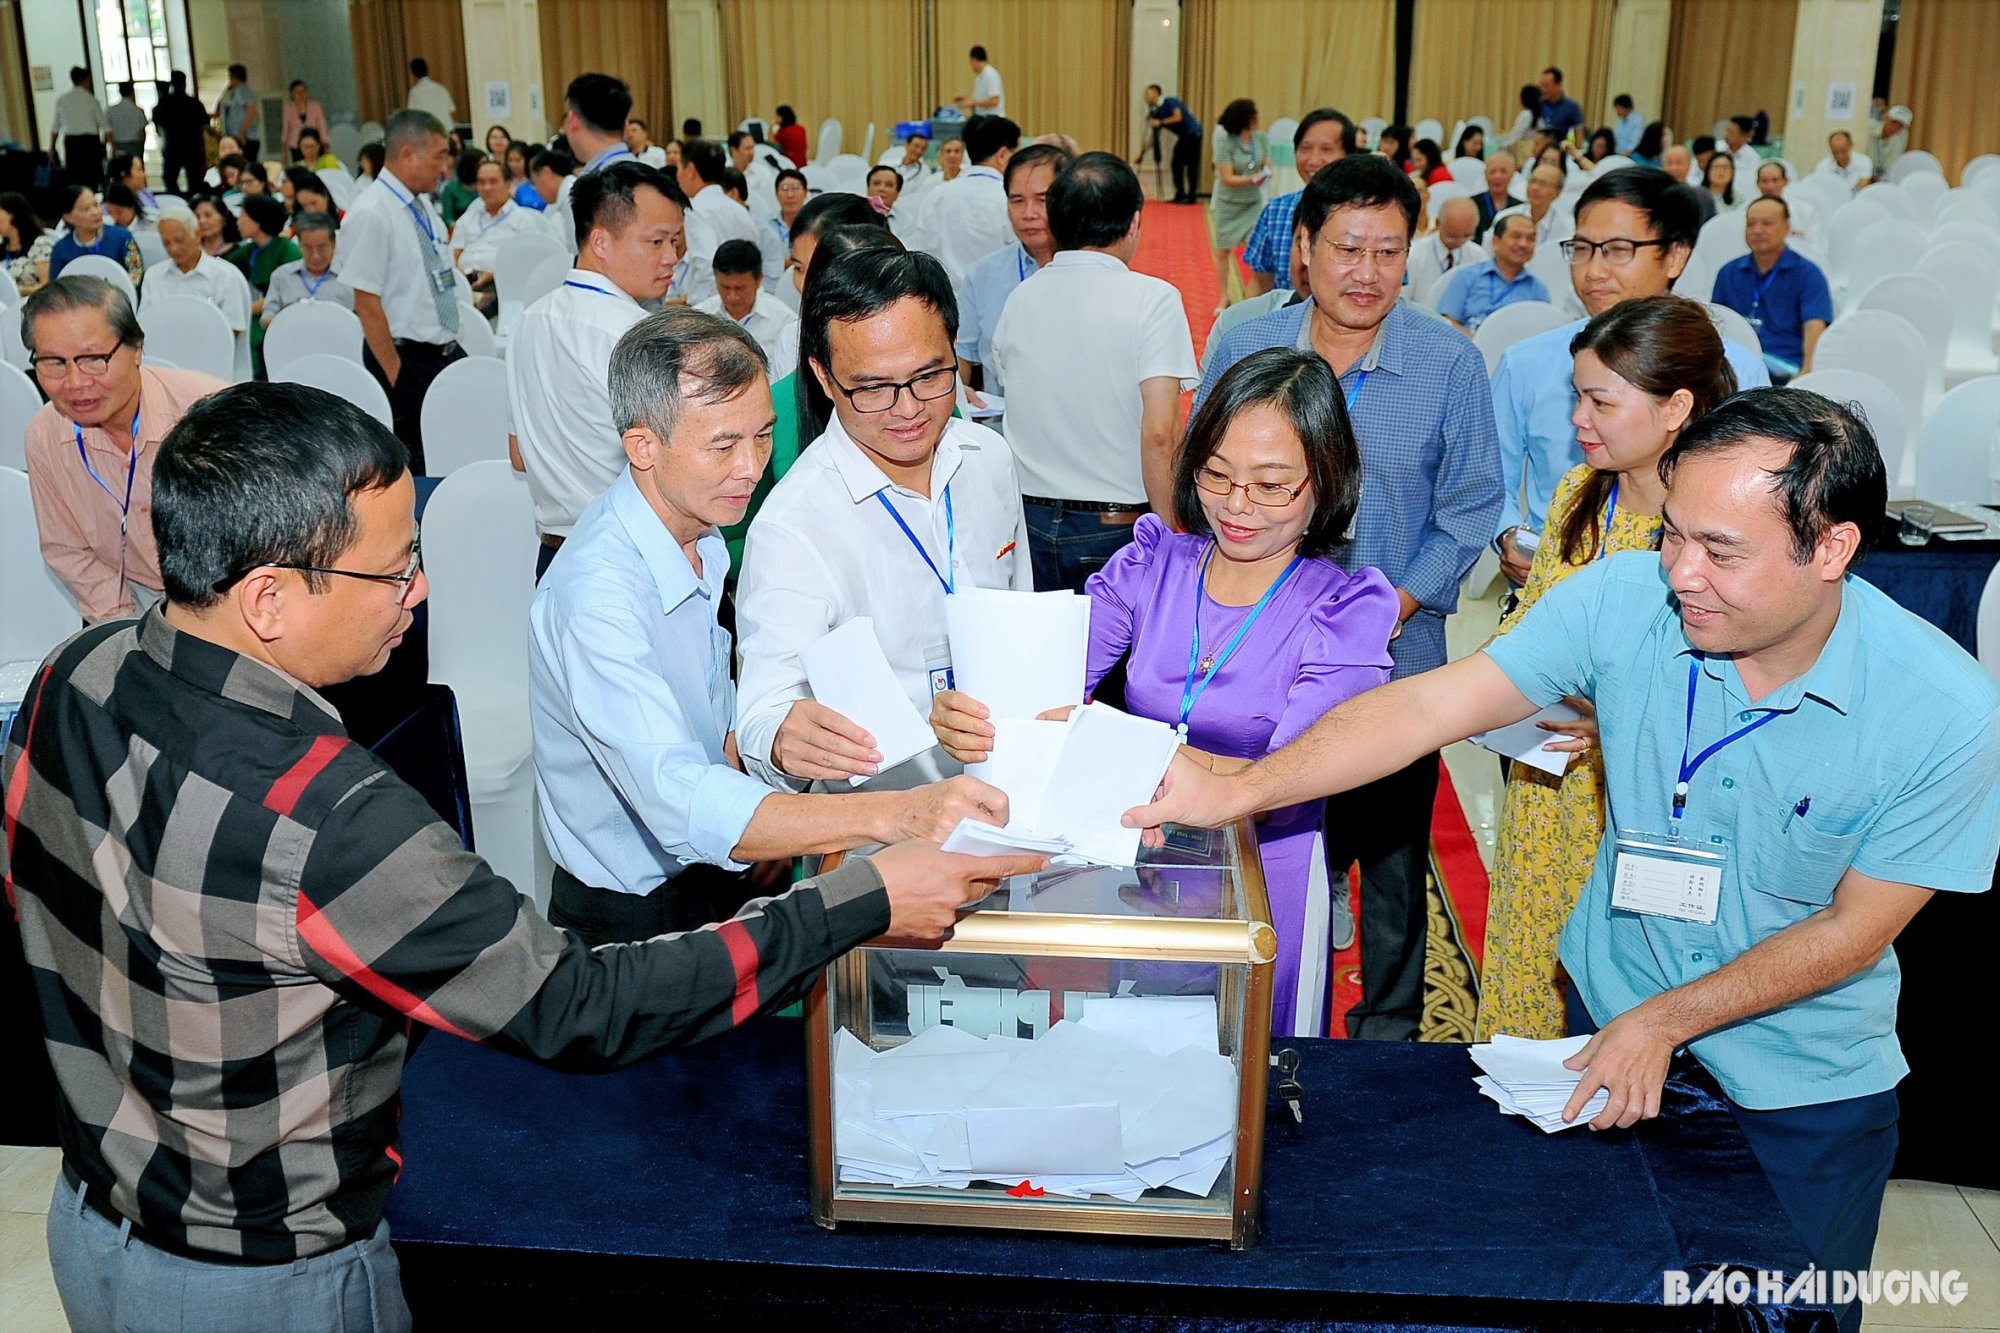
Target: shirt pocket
1800, 858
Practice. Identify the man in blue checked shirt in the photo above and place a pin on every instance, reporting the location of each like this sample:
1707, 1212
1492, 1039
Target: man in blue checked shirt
1323, 137
1421, 415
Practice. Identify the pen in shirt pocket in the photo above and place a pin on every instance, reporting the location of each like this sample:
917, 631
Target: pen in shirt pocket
1799, 810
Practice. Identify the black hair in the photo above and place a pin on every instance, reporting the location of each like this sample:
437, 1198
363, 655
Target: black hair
295, 83
553, 159
791, 173
691, 126
1728, 194
1744, 123
263, 474
737, 137
121, 195
1401, 134
853, 286
985, 136
885, 168
1554, 72
1236, 117
1777, 199
120, 164
977, 53
1433, 155
467, 169
1034, 155
78, 75
420, 67
128, 90
833, 243
1156, 88
317, 137
241, 73
733, 181
304, 177
1349, 145
1624, 100
738, 256
707, 159
601, 101
267, 211
22, 213
527, 152
1703, 143
1305, 389
177, 78
1367, 180
1668, 205
1652, 140
1835, 474
1458, 149
606, 197
1531, 97
373, 156
76, 190
836, 208
230, 231
786, 116
1609, 139
630, 121
1094, 201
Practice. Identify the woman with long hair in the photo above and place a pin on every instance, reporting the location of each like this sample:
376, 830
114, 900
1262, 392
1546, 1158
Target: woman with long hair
1719, 178
1427, 162
25, 244
1644, 371
1471, 143
1652, 145
790, 136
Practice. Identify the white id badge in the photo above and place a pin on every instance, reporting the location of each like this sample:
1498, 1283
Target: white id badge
442, 280
939, 659
1660, 875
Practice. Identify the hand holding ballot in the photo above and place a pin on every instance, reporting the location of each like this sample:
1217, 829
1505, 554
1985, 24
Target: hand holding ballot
817, 743
928, 886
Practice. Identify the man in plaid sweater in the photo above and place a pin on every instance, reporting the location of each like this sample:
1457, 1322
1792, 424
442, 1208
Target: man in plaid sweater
234, 915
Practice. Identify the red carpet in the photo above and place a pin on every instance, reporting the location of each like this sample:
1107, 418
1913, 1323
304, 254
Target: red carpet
1173, 244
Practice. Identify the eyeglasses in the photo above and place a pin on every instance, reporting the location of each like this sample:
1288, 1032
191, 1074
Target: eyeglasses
1351, 256
925, 388
403, 582
1618, 252
92, 364
1266, 494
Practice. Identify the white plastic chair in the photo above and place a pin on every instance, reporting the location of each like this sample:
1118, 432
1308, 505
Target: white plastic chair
1515, 323
1722, 239
479, 554
546, 277
371, 132
1986, 637
1928, 190
1279, 132
1956, 444
1978, 167
1468, 171
1971, 230
1897, 199
1882, 249
343, 379
40, 611
868, 143
10, 295
152, 250
1970, 277
1373, 127
13, 351
344, 142
466, 416
196, 332
340, 187
1888, 420
1883, 344
1965, 206
1429, 128
1735, 328
848, 172
1844, 228
309, 327
19, 401
828, 142
1926, 305
516, 258
1913, 163
110, 270
475, 335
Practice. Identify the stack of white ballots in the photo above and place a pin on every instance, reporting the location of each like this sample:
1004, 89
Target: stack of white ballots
1527, 1078
1133, 1097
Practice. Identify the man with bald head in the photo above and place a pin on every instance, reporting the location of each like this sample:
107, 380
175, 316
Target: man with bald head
1678, 162
1447, 249
1545, 186
1498, 196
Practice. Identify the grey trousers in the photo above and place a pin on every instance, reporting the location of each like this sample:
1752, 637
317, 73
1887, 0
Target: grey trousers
110, 1281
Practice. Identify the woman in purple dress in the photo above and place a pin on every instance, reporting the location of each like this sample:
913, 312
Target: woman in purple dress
1240, 628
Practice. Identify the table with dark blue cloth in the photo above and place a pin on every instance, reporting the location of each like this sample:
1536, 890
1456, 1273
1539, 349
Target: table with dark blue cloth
677, 1189
1940, 581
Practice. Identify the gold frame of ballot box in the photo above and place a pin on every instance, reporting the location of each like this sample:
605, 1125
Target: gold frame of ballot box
1238, 942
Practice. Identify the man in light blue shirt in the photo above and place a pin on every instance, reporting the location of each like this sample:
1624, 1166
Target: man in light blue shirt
647, 810
1474, 292
1837, 758
1627, 125
983, 295
1635, 229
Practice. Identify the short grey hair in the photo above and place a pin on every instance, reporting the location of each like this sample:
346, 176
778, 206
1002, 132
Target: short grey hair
174, 210
82, 293
676, 356
312, 220
410, 129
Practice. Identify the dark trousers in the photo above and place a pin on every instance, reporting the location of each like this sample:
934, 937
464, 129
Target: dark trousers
696, 897
83, 160
1828, 1164
1386, 827
422, 363
182, 169
1187, 165
1069, 545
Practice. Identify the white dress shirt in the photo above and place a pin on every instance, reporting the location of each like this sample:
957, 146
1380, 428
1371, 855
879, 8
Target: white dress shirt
80, 114
824, 551
1075, 342
712, 218
986, 84
382, 252
654, 156
964, 220
476, 237
558, 358
631, 702
1858, 169
216, 281
1747, 161
427, 94
1430, 263
767, 322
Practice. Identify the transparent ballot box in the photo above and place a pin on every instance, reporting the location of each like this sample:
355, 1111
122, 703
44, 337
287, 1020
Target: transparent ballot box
1089, 1052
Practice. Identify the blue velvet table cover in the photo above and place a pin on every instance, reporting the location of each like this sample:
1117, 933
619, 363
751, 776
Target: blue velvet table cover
1404, 1195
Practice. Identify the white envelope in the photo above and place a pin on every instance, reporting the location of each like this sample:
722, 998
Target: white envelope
850, 674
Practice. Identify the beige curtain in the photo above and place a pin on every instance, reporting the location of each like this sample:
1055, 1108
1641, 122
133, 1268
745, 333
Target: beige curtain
626, 38
1946, 53
16, 115
388, 33
857, 61
1198, 39
1720, 63
1065, 63
1472, 57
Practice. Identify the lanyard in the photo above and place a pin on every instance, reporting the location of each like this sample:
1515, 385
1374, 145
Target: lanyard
1757, 292
131, 471
1191, 690
1690, 768
607, 157
423, 218
950, 576
488, 221
1355, 392
584, 287
1610, 512
1021, 265
312, 288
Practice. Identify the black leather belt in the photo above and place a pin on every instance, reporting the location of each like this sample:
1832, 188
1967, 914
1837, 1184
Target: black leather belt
1089, 506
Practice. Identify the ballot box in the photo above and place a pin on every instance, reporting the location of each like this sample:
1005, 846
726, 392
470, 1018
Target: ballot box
1089, 1052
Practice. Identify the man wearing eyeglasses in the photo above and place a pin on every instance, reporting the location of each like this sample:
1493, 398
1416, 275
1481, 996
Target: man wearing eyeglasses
90, 449
894, 505
1635, 230
1094, 357
1416, 394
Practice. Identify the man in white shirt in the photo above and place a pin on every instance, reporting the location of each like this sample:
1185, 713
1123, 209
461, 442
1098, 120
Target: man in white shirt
1552, 221
1894, 138
1736, 141
430, 96
739, 296
597, 109
1435, 257
192, 273
476, 236
639, 142
713, 217
964, 220
309, 277
81, 132
895, 504
564, 438
1094, 357
988, 97
760, 176
393, 253
908, 158
650, 818
1843, 163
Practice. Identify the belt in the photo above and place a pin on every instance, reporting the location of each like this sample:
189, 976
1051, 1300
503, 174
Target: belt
442, 349
117, 1219
1090, 506
553, 540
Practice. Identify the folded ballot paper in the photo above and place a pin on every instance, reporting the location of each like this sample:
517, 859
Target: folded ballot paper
849, 673
1019, 653
1527, 1078
1523, 740
1133, 1095
1071, 782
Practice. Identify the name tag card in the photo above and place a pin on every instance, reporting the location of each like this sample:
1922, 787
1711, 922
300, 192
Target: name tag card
1660, 875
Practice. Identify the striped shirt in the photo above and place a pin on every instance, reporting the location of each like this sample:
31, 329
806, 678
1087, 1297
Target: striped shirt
234, 916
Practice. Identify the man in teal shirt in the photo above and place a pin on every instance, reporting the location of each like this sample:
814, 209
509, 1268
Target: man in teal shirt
1834, 756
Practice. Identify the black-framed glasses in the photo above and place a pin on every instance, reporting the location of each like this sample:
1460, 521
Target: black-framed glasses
1618, 251
1267, 494
402, 582
925, 388
93, 364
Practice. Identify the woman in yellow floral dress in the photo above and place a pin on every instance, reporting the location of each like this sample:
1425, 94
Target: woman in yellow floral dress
1644, 371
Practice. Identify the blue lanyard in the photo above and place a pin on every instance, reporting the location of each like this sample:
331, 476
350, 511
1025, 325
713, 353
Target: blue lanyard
1021, 266
584, 287
312, 288
488, 221
1610, 512
131, 471
1191, 690
1757, 292
423, 218
1355, 392
607, 156
950, 575
1690, 768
